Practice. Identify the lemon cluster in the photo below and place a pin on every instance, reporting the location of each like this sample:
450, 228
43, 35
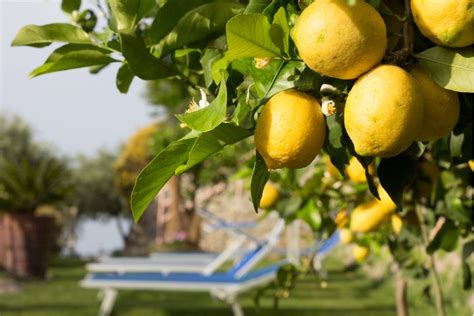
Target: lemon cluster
388, 107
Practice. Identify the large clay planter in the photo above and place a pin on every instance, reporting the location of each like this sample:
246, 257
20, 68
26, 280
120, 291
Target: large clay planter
25, 244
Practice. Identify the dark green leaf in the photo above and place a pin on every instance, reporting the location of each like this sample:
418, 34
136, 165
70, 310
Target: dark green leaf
467, 250
155, 175
375, 3
452, 69
466, 276
456, 144
69, 6
333, 144
256, 6
209, 117
260, 177
395, 174
248, 35
199, 23
124, 78
308, 80
168, 16
142, 63
446, 238
272, 8
40, 36
87, 20
365, 162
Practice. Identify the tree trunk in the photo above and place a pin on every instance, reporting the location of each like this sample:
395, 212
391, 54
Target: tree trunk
120, 229
401, 294
194, 229
173, 225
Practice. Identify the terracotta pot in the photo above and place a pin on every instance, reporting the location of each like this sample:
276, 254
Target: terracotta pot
25, 244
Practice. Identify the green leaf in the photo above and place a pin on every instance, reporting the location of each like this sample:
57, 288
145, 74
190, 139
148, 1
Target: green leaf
277, 76
333, 144
311, 215
69, 6
467, 250
456, 144
142, 63
212, 142
280, 32
125, 14
199, 23
375, 3
272, 8
308, 80
40, 36
124, 78
68, 48
209, 117
248, 35
185, 51
446, 238
155, 175
256, 6
72, 56
451, 69
168, 16
260, 177
395, 174
365, 162
207, 60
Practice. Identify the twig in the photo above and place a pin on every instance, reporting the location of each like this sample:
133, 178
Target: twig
438, 294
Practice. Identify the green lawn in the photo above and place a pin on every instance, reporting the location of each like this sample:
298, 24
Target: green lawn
347, 293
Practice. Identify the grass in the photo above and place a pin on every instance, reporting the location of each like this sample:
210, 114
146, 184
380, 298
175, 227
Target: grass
347, 293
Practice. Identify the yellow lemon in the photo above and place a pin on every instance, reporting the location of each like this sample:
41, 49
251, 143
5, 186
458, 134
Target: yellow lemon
384, 112
338, 40
345, 235
397, 223
370, 215
290, 130
360, 252
341, 219
385, 199
471, 164
330, 168
441, 107
445, 22
270, 195
356, 172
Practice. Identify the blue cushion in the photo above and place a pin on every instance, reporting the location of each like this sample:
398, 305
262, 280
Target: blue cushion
245, 259
182, 277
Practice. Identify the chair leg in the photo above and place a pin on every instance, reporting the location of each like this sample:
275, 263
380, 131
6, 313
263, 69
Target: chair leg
108, 301
237, 309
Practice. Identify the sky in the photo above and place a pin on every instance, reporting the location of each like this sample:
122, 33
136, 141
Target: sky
74, 111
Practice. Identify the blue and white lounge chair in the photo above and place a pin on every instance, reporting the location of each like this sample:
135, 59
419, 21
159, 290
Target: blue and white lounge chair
225, 285
167, 262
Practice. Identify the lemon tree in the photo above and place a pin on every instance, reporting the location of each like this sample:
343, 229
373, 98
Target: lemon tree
316, 84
